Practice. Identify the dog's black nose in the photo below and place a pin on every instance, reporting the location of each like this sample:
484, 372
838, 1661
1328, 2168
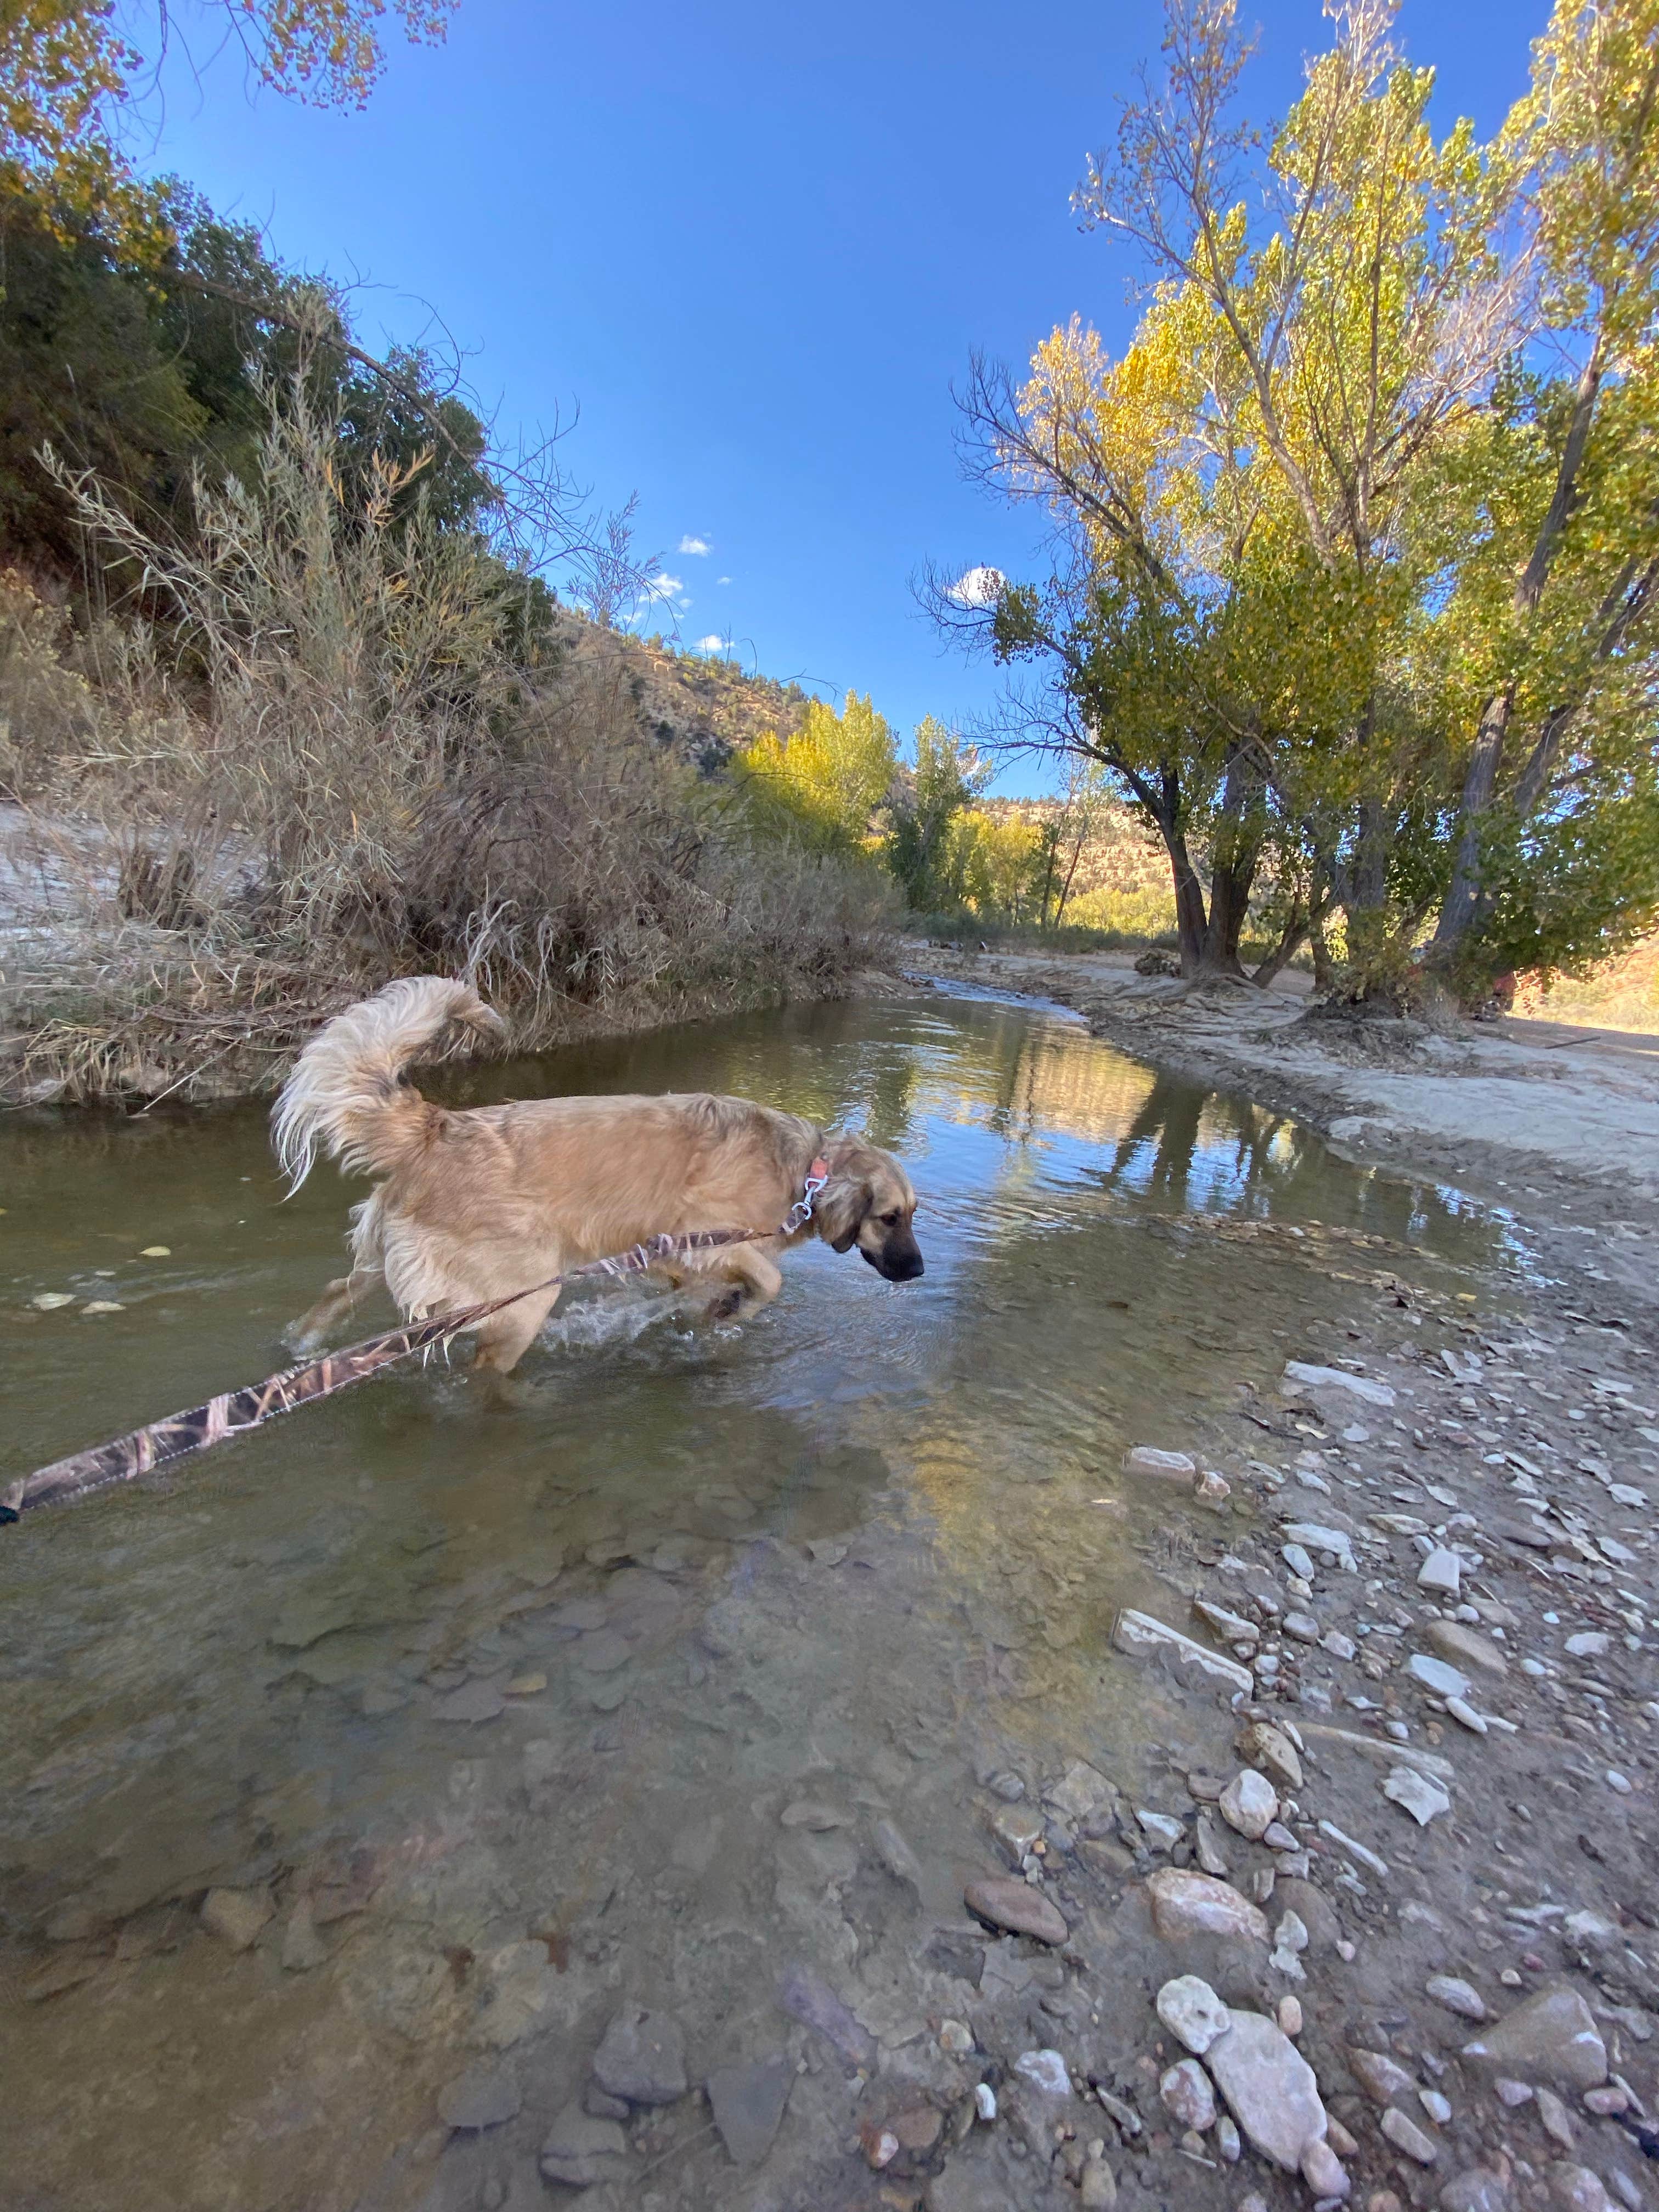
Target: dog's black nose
906, 1267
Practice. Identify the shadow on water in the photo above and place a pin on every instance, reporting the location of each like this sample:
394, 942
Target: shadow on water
487, 1708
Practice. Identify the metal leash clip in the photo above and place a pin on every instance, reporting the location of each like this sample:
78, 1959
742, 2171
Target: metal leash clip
801, 1211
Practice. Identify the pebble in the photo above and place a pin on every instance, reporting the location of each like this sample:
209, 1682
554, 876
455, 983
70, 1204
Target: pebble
1553, 2035
526, 1686
1290, 2015
1466, 1646
156, 1252
1227, 2139
302, 1946
748, 2105
102, 1306
581, 2151
1437, 2107
1249, 1803
1269, 1748
483, 2097
236, 1916
1435, 1674
1339, 1646
1161, 1830
1556, 2120
1381, 2077
1185, 1904
1458, 1996
1406, 2135
473, 1701
1302, 1626
1607, 2103
642, 2057
984, 2102
1441, 1573
1165, 1466
1617, 1781
1416, 1793
1097, 2189
1192, 2013
1576, 2189
1323, 2172
1188, 2096
1588, 1644
1466, 1717
1269, 2087
1297, 1561
1046, 2070
1312, 1377
49, 1301
1015, 1905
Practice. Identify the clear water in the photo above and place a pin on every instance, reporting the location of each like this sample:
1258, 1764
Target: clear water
860, 1551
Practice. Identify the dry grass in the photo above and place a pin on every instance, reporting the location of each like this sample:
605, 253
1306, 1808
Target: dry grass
332, 775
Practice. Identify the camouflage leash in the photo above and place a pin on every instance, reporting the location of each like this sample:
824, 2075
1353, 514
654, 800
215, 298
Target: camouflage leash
235, 1411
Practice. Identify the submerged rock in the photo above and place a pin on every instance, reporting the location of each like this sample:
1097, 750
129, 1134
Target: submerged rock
581, 2151
642, 2057
236, 1916
483, 2097
1015, 1905
748, 2103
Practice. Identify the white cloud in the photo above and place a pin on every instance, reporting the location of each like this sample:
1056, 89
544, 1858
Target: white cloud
976, 588
713, 643
722, 580
696, 545
662, 587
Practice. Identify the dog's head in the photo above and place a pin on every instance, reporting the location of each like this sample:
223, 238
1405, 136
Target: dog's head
868, 1201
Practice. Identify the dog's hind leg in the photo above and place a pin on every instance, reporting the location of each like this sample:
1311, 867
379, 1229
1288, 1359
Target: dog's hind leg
507, 1336
312, 1329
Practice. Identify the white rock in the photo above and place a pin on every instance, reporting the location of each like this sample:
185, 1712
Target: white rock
1047, 2070
1290, 1941
1161, 1830
1140, 1634
1188, 2096
984, 2102
1456, 1995
1465, 1715
1435, 1675
1588, 1644
1166, 1465
1404, 2135
1249, 1803
1187, 1904
1437, 2107
1311, 1377
1270, 2088
1318, 1537
1442, 1571
1297, 1561
49, 1301
1416, 1793
1192, 2013
1323, 2171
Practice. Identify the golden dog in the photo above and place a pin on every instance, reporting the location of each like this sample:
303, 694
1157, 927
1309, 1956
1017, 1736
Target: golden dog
474, 1205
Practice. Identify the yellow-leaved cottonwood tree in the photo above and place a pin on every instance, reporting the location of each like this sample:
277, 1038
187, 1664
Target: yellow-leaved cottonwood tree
1336, 518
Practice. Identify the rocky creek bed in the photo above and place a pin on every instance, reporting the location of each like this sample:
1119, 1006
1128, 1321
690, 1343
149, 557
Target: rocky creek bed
982, 1764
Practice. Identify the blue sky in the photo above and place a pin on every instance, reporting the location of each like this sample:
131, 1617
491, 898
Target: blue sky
753, 246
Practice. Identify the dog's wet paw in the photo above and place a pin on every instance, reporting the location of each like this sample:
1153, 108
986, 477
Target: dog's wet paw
726, 1307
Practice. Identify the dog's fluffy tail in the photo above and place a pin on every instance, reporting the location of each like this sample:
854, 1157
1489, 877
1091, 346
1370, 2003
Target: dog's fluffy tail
344, 1091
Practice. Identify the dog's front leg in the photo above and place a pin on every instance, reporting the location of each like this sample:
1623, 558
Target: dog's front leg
753, 1281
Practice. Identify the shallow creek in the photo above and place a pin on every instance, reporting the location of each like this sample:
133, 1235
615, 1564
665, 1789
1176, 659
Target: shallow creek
504, 1706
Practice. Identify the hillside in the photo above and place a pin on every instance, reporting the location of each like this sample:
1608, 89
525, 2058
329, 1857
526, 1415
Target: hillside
705, 710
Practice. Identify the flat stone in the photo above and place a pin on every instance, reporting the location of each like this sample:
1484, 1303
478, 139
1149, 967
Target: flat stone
1185, 1904
1161, 1830
1435, 1674
1466, 1647
1441, 1573
1188, 2096
1466, 1717
1477, 2189
1081, 1792
1249, 1803
1322, 1536
1162, 1465
1321, 2170
1192, 2013
642, 2057
1381, 2077
1557, 2119
1588, 1644
1458, 1996
1306, 1376
1017, 1829
1140, 1634
1015, 1905
748, 2103
1417, 1794
483, 2097
1404, 2135
1302, 1627
805, 1813
1269, 2087
1551, 2038
236, 1916
473, 1701
581, 2151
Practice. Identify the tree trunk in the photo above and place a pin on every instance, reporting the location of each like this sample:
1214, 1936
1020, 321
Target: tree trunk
1229, 906
1191, 921
1462, 900
1298, 923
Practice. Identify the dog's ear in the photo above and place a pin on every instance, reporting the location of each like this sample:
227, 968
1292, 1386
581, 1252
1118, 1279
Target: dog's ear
842, 1206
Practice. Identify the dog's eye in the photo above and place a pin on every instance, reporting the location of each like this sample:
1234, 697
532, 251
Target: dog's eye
891, 1220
